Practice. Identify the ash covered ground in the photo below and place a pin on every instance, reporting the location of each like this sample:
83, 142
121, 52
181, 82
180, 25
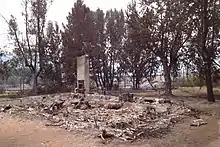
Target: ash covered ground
124, 117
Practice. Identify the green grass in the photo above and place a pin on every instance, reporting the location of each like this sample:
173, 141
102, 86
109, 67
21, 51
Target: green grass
194, 91
182, 92
4, 95
9, 95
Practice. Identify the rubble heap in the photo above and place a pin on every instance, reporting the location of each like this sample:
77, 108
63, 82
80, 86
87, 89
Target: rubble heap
124, 118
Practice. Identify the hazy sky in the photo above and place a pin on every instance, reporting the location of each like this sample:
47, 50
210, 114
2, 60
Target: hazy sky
57, 12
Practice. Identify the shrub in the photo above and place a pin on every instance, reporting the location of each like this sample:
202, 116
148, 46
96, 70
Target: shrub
2, 90
216, 91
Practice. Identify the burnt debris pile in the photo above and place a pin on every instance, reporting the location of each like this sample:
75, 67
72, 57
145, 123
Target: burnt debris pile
125, 117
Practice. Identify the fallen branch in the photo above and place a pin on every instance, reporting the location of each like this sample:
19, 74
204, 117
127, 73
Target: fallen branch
54, 124
104, 141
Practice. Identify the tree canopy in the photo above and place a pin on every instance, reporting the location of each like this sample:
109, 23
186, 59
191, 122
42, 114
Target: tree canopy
149, 37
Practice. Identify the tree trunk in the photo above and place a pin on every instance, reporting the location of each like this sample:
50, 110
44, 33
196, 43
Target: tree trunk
58, 73
206, 53
137, 78
208, 77
133, 82
22, 84
187, 73
35, 83
168, 84
167, 78
100, 80
137, 82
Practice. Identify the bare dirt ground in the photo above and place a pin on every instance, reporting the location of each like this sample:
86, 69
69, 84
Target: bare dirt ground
16, 132
21, 132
